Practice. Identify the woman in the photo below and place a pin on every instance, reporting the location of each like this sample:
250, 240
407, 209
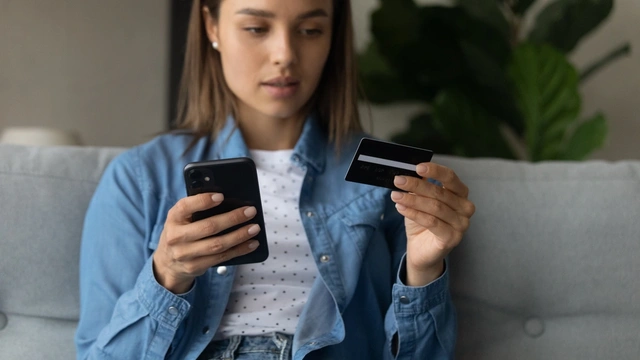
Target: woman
354, 272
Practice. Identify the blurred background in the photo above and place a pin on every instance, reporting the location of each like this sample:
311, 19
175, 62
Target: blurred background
107, 71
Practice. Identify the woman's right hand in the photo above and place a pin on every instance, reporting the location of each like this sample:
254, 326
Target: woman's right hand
187, 249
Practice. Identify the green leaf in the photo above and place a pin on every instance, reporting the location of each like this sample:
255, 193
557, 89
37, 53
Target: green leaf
421, 133
589, 136
487, 11
395, 27
486, 41
407, 38
564, 22
436, 59
500, 103
484, 69
488, 79
521, 6
463, 122
399, 20
546, 90
431, 47
372, 62
421, 45
380, 82
613, 55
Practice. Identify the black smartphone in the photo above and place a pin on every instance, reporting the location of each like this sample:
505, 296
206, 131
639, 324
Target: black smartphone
237, 180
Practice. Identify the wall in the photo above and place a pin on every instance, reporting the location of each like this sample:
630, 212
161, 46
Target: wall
615, 90
100, 67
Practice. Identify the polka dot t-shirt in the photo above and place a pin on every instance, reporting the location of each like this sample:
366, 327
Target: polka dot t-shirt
269, 296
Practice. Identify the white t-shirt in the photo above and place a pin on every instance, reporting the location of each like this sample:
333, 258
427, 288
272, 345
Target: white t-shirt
269, 296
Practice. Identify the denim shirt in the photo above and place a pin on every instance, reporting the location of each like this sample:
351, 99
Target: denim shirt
356, 306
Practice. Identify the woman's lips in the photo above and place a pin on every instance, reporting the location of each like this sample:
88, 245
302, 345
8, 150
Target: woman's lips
282, 90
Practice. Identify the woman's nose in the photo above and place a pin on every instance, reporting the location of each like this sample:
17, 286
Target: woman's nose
283, 52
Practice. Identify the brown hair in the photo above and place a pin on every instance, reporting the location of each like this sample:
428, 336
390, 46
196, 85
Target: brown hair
205, 100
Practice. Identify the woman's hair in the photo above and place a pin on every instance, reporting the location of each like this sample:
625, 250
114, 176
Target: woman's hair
205, 100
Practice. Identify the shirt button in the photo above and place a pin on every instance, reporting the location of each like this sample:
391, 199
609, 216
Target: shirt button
173, 311
205, 330
405, 300
534, 327
382, 217
325, 258
313, 343
221, 270
310, 214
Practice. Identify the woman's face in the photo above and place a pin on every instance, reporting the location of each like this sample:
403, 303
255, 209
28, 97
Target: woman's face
273, 52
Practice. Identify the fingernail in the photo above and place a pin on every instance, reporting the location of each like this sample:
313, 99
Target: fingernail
396, 195
217, 197
254, 229
400, 180
250, 212
253, 245
401, 207
422, 169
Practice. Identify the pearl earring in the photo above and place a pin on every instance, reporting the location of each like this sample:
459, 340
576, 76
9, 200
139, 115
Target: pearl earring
215, 45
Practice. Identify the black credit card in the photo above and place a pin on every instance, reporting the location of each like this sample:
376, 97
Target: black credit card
378, 162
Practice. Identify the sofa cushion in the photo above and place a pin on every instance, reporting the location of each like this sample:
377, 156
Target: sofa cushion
44, 194
549, 268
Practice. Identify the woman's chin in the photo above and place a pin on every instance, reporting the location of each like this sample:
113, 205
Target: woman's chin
282, 113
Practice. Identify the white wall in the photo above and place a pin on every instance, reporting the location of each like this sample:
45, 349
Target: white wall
613, 91
100, 67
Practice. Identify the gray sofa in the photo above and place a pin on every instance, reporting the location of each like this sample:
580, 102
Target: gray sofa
550, 268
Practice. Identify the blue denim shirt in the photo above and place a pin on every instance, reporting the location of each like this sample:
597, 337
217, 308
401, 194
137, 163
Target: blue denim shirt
356, 306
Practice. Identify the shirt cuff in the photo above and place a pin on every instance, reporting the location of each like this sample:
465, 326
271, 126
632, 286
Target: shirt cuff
418, 299
189, 295
163, 305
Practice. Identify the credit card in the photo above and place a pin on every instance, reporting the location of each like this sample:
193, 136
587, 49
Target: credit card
377, 162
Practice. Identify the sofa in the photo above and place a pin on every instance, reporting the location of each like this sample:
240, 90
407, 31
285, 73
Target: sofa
550, 268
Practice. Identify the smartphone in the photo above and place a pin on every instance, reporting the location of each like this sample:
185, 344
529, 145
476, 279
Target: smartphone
237, 180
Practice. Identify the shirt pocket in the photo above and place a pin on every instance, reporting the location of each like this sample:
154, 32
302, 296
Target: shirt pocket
363, 228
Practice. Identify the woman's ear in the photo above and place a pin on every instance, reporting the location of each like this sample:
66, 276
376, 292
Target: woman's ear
211, 26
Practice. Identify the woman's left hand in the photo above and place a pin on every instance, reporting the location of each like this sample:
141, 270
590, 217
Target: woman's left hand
435, 219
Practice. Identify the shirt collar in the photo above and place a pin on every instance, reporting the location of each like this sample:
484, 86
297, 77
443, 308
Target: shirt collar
310, 150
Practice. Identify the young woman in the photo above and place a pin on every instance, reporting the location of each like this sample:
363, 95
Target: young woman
355, 272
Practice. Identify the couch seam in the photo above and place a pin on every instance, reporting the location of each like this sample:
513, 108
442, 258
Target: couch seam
40, 316
55, 177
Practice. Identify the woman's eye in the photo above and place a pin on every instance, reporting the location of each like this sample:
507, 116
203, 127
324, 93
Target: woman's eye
256, 30
311, 32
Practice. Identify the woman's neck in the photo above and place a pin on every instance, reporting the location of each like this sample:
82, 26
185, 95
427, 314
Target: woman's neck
267, 133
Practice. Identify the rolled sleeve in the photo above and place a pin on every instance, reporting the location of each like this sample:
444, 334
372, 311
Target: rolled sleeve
423, 318
418, 299
164, 306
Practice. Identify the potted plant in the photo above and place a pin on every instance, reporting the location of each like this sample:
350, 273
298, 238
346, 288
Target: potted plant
491, 90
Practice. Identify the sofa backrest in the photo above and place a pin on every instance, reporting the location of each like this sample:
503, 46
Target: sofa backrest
548, 270
44, 193
550, 266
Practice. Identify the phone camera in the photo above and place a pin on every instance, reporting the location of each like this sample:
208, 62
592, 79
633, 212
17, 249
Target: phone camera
195, 175
196, 184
